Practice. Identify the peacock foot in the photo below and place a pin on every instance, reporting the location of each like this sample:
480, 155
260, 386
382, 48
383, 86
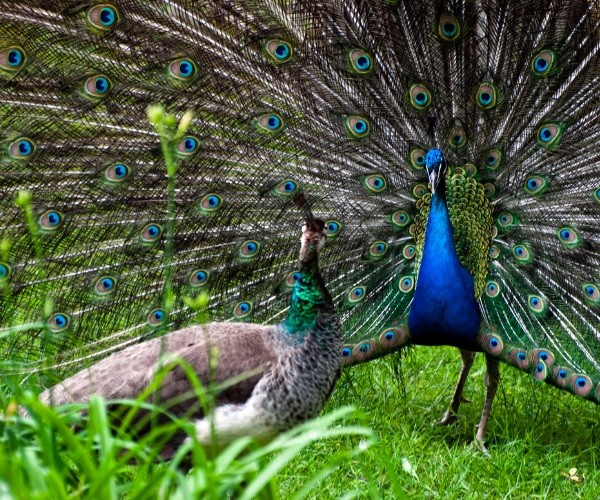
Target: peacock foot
449, 418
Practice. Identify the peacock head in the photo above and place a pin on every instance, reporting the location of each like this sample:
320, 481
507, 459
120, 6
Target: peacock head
436, 167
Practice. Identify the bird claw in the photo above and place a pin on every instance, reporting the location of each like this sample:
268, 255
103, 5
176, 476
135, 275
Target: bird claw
448, 418
479, 445
464, 400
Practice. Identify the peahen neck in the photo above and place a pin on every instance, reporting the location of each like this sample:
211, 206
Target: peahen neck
311, 305
444, 310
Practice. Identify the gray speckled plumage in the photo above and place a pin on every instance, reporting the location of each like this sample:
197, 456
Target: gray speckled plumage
290, 373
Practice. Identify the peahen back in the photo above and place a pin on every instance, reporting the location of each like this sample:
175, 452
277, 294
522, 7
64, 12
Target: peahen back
336, 100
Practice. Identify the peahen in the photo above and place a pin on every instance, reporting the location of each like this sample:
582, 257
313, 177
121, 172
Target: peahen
452, 147
284, 373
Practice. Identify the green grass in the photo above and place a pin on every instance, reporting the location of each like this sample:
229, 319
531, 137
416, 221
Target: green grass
535, 436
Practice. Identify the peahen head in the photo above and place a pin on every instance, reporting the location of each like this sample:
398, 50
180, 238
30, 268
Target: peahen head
436, 167
312, 240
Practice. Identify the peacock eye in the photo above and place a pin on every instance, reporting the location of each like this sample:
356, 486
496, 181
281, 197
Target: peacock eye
581, 384
156, 317
419, 96
457, 137
375, 183
150, 233
419, 190
270, 122
210, 203
249, 249
360, 61
378, 249
406, 284
183, 69
494, 251
537, 304
117, 172
492, 289
97, 86
357, 126
105, 285
332, 228
416, 158
293, 278
242, 309
409, 251
21, 148
279, 51
549, 134
522, 254
400, 219
492, 344
188, 145
591, 293
569, 237
507, 220
487, 96
103, 18
346, 351
356, 294
199, 277
5, 272
12, 59
535, 184
544, 63
51, 220
449, 27
285, 188
59, 322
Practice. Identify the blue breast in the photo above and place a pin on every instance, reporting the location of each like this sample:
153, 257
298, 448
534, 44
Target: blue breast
444, 310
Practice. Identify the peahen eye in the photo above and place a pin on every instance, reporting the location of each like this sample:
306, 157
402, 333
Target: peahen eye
150, 233
5, 272
188, 145
360, 61
210, 203
103, 18
449, 27
242, 309
156, 317
105, 285
117, 172
97, 86
59, 322
406, 284
21, 148
183, 69
199, 277
357, 126
544, 63
12, 59
419, 96
487, 96
569, 237
51, 220
375, 183
279, 51
549, 134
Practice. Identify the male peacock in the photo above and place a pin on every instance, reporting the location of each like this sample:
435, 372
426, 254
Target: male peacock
339, 99
287, 371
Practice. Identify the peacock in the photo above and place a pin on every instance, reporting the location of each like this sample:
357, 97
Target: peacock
450, 147
284, 373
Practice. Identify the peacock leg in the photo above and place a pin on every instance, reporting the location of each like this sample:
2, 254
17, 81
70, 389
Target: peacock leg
467, 362
492, 378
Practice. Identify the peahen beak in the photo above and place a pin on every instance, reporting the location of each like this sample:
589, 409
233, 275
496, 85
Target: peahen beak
436, 167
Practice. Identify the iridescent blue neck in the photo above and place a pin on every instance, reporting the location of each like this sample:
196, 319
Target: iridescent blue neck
444, 310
